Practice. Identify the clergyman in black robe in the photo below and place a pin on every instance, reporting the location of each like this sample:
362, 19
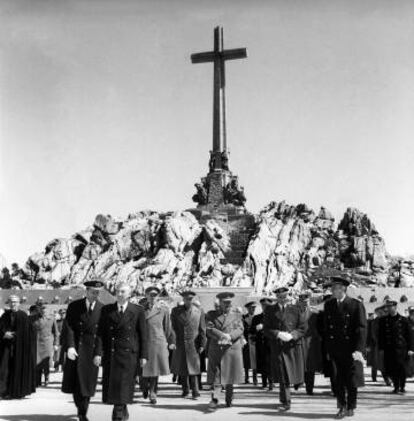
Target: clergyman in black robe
17, 353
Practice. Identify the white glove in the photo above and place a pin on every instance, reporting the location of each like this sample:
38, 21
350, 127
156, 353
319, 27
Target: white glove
357, 356
285, 336
171, 347
259, 327
72, 354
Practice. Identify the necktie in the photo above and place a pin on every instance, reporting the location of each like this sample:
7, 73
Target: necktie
121, 310
90, 309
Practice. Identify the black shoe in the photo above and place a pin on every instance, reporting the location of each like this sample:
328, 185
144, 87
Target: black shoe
229, 403
213, 404
309, 392
126, 414
350, 413
341, 414
185, 393
271, 386
374, 379
402, 391
285, 406
395, 391
255, 380
145, 394
83, 418
296, 386
246, 380
195, 395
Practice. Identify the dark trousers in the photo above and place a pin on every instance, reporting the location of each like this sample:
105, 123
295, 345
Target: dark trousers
346, 390
309, 381
82, 403
399, 377
149, 384
228, 388
284, 383
119, 412
42, 368
189, 382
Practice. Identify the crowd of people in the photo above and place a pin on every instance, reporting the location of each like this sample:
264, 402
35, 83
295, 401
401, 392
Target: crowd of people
283, 345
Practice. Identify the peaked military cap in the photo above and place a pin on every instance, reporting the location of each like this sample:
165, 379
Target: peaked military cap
94, 283
225, 296
188, 293
281, 290
151, 289
335, 280
390, 303
251, 304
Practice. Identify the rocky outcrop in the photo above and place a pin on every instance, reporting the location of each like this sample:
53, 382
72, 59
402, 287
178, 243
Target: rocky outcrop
286, 245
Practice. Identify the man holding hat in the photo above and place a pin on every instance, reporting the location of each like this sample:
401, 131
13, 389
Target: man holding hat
397, 342
284, 325
224, 328
80, 374
344, 329
249, 349
17, 351
160, 338
262, 345
121, 346
189, 325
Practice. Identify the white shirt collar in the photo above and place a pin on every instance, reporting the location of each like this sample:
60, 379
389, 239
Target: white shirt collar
123, 307
89, 304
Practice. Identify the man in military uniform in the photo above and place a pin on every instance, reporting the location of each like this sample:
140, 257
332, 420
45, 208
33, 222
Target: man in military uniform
344, 327
81, 324
262, 345
397, 342
249, 349
311, 342
121, 345
189, 325
284, 325
410, 368
224, 328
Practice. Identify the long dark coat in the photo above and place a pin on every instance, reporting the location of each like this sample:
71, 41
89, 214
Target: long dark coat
190, 335
122, 342
262, 345
396, 339
249, 357
159, 336
80, 333
344, 330
225, 362
17, 355
375, 355
312, 342
289, 353
410, 365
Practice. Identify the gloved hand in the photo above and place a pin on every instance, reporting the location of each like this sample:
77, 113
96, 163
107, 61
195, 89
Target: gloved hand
72, 354
171, 347
259, 327
97, 360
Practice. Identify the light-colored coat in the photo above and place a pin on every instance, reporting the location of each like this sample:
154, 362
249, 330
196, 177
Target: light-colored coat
159, 336
47, 337
225, 362
190, 334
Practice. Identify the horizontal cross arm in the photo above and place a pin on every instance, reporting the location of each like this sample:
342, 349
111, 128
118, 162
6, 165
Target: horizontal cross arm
204, 57
234, 54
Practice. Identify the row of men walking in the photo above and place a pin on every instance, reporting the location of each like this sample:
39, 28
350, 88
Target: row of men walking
131, 341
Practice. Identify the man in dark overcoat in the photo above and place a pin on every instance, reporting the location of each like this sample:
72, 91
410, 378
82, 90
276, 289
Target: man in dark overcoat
224, 328
311, 342
262, 345
249, 349
284, 325
397, 342
410, 368
121, 345
80, 374
188, 323
345, 329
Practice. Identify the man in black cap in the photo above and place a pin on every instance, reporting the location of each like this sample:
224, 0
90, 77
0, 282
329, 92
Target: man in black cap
189, 325
249, 349
80, 327
224, 329
284, 325
344, 329
397, 342
262, 345
121, 345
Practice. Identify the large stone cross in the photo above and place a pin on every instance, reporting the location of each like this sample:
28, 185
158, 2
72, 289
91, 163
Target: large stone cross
218, 57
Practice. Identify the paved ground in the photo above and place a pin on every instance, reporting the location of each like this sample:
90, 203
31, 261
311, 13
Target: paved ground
250, 404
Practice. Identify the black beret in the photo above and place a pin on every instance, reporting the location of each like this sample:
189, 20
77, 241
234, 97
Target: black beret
152, 288
225, 295
93, 284
280, 290
339, 280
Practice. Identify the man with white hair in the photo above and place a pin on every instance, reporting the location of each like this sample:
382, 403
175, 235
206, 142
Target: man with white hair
121, 346
17, 352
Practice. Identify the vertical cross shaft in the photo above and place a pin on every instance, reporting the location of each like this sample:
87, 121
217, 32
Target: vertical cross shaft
219, 99
219, 55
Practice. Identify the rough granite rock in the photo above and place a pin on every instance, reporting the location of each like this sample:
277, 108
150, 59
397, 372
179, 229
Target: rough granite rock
290, 245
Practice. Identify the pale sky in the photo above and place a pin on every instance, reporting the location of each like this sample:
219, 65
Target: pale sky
101, 110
